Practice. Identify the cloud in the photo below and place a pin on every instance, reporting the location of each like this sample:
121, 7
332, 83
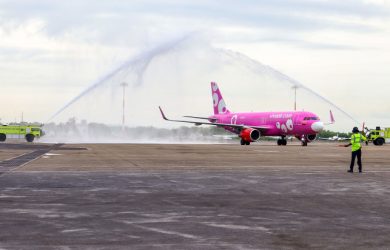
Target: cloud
70, 43
113, 22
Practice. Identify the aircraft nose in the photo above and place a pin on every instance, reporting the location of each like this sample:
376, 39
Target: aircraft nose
317, 126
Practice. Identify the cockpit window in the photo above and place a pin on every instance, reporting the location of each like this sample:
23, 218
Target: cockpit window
311, 118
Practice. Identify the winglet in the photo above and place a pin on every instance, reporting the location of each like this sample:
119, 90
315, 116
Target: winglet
331, 117
162, 114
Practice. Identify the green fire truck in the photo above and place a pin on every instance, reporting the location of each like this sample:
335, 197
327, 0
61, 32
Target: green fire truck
378, 136
28, 132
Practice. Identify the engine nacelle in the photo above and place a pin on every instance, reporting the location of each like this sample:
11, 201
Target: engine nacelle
250, 134
310, 137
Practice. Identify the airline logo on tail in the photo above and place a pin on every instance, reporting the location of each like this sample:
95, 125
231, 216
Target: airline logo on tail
218, 102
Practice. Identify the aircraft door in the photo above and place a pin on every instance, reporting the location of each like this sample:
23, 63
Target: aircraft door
296, 120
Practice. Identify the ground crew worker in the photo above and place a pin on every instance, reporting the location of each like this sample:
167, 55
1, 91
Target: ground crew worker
356, 139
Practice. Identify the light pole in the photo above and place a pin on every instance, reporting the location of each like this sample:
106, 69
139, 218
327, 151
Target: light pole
124, 85
295, 97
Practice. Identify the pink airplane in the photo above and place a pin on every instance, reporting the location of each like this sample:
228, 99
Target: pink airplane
251, 126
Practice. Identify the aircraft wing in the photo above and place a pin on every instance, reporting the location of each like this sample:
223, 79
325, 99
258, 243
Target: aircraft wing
198, 123
226, 137
344, 139
323, 139
198, 117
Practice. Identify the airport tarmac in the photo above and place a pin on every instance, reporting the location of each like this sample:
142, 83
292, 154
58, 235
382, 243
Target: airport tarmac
205, 196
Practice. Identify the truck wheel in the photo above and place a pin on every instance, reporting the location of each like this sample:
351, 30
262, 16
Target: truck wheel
30, 137
380, 141
3, 137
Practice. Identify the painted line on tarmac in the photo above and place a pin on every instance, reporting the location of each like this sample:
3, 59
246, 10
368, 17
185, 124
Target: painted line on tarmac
22, 160
9, 159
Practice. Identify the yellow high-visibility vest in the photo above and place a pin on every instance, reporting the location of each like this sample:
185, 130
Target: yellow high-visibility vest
356, 139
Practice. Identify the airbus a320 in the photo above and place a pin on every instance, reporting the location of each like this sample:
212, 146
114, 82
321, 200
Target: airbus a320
251, 126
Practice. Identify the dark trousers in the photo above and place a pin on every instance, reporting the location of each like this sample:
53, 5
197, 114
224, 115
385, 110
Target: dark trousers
358, 154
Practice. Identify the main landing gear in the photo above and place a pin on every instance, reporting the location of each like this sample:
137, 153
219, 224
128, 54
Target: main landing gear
282, 141
303, 141
243, 142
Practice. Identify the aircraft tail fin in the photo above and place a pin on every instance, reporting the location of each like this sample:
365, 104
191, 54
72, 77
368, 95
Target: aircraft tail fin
331, 117
364, 127
332, 120
218, 102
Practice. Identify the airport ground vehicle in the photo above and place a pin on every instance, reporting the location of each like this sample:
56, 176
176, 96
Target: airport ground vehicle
28, 132
378, 136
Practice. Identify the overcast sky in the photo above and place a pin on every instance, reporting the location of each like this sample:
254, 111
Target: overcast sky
51, 50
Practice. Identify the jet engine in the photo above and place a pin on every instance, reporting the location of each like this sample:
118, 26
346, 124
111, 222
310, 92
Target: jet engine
250, 134
311, 137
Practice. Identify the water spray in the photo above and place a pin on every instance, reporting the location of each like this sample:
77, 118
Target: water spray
138, 64
259, 68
